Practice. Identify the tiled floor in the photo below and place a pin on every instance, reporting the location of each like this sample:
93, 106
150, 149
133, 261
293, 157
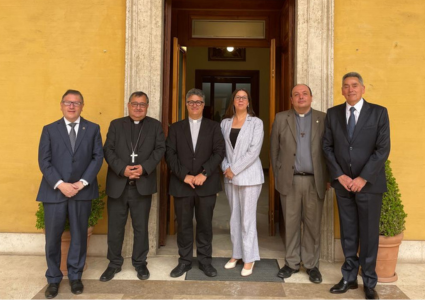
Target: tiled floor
22, 277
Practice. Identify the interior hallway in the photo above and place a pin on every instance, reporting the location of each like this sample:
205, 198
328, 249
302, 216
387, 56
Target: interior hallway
22, 277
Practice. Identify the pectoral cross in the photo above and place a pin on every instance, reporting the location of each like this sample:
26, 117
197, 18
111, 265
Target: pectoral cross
133, 155
302, 134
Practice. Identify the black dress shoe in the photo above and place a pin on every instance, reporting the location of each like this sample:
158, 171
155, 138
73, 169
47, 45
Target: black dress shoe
52, 290
344, 286
109, 274
142, 272
370, 293
314, 275
180, 270
286, 272
77, 286
208, 270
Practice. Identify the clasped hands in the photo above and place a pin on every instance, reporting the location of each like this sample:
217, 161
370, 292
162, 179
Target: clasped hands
228, 174
352, 185
133, 172
195, 180
70, 189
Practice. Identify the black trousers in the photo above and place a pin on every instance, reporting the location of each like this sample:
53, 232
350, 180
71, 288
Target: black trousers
55, 214
359, 215
139, 207
204, 208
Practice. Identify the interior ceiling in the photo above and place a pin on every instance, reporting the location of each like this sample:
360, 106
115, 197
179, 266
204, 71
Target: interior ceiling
229, 4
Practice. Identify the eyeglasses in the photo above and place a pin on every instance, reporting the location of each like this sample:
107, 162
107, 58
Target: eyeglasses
195, 103
141, 104
69, 103
243, 98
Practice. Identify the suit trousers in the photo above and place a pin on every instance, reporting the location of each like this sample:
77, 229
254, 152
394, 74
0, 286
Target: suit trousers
55, 214
243, 220
359, 215
204, 208
139, 207
302, 206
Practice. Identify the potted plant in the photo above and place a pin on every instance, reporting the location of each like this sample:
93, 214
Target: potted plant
391, 227
96, 214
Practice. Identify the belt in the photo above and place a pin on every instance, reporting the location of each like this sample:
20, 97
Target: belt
131, 182
303, 174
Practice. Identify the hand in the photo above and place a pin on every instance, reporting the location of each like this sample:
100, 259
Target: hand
199, 179
189, 180
68, 189
228, 174
78, 185
345, 181
357, 184
133, 172
328, 186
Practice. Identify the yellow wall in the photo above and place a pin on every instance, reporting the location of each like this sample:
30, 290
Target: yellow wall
46, 48
385, 42
256, 59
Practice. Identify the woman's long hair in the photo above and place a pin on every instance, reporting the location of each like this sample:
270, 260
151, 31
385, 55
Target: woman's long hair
230, 111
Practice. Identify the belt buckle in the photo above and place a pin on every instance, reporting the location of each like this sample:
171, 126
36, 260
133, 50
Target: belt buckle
131, 182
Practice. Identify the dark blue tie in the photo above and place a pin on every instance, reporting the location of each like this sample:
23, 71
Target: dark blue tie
351, 123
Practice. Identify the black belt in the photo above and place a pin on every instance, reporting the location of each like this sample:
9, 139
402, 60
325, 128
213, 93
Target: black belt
303, 174
131, 182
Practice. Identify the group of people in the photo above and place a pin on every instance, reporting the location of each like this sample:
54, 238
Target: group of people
310, 150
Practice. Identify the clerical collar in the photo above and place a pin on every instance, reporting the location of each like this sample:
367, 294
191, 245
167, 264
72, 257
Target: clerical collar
302, 115
195, 121
136, 122
68, 122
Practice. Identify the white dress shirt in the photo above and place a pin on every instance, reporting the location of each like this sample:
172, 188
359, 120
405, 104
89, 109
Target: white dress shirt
195, 125
358, 106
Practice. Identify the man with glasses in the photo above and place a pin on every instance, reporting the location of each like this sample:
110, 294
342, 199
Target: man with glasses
195, 149
70, 156
134, 146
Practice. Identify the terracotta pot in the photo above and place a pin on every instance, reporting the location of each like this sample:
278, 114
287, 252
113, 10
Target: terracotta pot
387, 257
66, 240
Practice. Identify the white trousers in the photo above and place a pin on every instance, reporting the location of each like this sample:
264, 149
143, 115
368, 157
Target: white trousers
243, 220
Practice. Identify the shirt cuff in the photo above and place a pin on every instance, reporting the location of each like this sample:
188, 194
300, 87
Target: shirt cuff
85, 183
57, 184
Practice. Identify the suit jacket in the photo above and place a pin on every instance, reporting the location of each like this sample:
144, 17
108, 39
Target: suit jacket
117, 149
182, 160
244, 160
58, 162
283, 148
365, 154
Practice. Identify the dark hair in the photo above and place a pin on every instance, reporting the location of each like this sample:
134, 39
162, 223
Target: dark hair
230, 111
73, 92
353, 74
311, 93
138, 95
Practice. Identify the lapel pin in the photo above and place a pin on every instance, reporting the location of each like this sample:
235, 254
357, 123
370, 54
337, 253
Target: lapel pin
317, 121
84, 128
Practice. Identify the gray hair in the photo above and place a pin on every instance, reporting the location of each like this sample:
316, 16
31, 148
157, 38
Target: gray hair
195, 92
353, 74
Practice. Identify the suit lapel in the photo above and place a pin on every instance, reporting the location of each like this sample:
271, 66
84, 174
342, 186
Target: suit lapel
81, 132
314, 124
343, 119
127, 132
243, 131
186, 131
291, 123
63, 131
144, 129
203, 128
363, 117
227, 129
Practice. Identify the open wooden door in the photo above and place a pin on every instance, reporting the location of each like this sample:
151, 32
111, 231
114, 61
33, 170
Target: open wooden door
178, 107
272, 109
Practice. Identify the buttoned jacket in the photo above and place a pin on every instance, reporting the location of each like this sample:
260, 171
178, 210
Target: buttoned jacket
244, 159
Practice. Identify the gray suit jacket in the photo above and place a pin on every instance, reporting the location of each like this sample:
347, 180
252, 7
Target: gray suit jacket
283, 148
244, 160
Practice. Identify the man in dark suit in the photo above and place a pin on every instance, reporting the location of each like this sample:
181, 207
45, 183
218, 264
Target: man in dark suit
70, 156
301, 178
134, 146
195, 149
356, 145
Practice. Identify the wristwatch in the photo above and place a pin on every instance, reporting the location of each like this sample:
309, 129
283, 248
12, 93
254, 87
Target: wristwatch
204, 173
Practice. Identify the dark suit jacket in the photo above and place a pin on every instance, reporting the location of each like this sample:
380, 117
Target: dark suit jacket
117, 150
283, 147
182, 160
58, 162
365, 154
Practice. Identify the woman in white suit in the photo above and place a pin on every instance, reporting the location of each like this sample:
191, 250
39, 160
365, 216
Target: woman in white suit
243, 134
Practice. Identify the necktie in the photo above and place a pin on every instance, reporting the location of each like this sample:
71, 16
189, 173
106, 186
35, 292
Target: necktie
351, 123
72, 135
